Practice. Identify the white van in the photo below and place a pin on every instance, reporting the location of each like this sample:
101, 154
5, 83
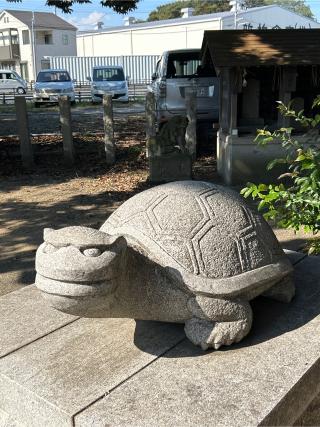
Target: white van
11, 82
108, 79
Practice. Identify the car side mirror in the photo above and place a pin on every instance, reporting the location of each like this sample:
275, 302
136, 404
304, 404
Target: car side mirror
154, 76
88, 78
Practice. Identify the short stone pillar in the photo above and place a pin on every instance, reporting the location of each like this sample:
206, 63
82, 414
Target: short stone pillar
66, 130
150, 122
191, 131
23, 132
109, 144
169, 158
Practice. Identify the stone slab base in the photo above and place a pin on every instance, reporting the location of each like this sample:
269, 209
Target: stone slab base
58, 370
176, 167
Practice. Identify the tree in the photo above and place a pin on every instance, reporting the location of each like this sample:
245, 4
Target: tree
298, 6
293, 202
201, 7
119, 6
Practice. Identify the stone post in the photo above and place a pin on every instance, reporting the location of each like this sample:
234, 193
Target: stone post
23, 132
191, 131
66, 130
109, 145
150, 123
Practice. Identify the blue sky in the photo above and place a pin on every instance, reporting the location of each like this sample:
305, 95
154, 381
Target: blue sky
86, 16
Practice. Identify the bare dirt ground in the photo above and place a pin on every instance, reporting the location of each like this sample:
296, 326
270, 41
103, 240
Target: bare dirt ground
54, 196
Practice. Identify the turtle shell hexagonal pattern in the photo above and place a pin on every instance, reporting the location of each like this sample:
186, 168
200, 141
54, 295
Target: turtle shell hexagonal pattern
202, 228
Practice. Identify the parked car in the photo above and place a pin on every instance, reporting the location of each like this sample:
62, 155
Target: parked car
50, 85
177, 70
10, 82
108, 79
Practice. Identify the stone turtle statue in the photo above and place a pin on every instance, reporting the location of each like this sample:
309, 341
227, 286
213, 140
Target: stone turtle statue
189, 252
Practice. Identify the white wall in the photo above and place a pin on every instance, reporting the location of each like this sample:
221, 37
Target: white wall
144, 41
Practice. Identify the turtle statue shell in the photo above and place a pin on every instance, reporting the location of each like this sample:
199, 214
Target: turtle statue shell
203, 230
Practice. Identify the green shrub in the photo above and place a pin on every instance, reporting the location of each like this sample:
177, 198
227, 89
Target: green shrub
294, 202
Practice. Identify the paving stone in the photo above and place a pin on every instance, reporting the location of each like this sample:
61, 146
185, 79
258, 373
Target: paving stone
25, 317
269, 379
64, 372
311, 417
294, 256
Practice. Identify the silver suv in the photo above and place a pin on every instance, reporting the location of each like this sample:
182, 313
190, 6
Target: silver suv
178, 70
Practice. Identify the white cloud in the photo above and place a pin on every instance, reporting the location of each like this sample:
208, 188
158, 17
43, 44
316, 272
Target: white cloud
89, 20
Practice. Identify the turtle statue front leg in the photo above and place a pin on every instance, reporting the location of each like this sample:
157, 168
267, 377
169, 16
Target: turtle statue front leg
217, 322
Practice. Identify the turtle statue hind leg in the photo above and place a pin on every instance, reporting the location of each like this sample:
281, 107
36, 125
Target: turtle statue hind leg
217, 322
282, 291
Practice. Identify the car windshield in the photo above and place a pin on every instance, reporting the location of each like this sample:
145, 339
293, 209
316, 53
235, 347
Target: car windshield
108, 75
188, 64
53, 76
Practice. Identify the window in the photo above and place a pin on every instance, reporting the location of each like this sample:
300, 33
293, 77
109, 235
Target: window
65, 39
108, 75
25, 37
53, 76
5, 38
48, 39
9, 76
14, 37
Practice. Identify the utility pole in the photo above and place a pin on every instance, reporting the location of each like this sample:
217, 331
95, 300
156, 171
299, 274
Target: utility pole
34, 63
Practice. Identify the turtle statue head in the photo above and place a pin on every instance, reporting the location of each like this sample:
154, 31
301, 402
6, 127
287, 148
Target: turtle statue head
77, 268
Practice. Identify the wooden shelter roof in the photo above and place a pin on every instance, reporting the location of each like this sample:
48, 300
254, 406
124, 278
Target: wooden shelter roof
232, 48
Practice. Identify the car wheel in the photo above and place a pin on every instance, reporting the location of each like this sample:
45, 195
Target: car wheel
36, 104
21, 91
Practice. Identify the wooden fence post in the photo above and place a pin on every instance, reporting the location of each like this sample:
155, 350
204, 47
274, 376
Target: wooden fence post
191, 131
109, 145
150, 123
23, 132
66, 130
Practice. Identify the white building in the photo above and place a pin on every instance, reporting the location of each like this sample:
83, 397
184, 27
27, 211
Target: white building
152, 38
27, 38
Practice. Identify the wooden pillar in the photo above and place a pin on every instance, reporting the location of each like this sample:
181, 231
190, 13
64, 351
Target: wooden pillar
66, 129
23, 132
228, 100
109, 145
150, 109
288, 84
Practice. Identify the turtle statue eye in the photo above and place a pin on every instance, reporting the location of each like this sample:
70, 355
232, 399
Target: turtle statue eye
93, 252
49, 249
